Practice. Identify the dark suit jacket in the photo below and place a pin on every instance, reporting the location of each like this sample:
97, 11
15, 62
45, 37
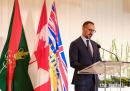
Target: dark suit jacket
81, 58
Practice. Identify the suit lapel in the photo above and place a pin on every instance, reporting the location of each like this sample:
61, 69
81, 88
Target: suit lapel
94, 48
84, 46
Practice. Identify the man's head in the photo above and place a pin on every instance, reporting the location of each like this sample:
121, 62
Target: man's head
88, 29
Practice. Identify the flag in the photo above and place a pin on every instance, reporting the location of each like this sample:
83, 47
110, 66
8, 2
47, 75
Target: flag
58, 64
39, 63
15, 57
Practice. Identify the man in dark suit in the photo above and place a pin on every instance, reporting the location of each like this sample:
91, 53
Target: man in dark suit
83, 54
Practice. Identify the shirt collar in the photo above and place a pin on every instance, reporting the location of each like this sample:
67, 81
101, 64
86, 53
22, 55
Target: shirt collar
84, 39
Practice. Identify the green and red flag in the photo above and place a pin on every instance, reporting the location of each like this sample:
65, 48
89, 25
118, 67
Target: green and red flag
15, 57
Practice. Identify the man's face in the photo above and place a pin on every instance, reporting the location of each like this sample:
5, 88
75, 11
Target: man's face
88, 31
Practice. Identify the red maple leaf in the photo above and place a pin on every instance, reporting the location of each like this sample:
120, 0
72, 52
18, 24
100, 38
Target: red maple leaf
42, 54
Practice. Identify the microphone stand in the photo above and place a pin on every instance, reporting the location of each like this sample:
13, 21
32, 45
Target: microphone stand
111, 53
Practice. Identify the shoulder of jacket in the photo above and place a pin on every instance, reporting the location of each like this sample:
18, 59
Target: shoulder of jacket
93, 41
76, 40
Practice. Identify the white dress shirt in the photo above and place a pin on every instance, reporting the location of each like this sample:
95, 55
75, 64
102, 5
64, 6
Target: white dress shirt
90, 45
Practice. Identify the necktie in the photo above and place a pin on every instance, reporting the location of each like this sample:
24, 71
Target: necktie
88, 47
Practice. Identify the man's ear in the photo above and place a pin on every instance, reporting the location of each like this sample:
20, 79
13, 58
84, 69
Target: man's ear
82, 28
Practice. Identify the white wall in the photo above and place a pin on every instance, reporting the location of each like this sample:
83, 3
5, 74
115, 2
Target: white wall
111, 18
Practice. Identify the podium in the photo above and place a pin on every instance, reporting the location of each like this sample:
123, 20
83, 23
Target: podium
105, 67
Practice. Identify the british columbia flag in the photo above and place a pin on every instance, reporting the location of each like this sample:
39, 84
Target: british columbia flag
58, 64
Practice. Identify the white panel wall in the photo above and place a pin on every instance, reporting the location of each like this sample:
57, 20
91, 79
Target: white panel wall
111, 18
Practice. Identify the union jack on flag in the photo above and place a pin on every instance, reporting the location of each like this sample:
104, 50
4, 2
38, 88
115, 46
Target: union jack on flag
58, 64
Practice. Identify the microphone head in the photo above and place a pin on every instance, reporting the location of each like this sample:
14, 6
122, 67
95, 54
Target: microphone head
98, 46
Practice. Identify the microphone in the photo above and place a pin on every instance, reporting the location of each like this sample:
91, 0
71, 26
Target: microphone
108, 51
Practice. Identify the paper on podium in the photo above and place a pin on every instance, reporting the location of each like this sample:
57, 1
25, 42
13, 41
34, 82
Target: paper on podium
98, 67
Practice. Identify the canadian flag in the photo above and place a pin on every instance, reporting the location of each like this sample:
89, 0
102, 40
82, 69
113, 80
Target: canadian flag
39, 64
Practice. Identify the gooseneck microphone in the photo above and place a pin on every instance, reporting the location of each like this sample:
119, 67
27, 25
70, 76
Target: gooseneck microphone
108, 51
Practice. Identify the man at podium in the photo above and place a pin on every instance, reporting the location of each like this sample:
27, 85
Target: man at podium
84, 52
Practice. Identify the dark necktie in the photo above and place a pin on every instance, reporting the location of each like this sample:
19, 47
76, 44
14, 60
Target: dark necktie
88, 47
